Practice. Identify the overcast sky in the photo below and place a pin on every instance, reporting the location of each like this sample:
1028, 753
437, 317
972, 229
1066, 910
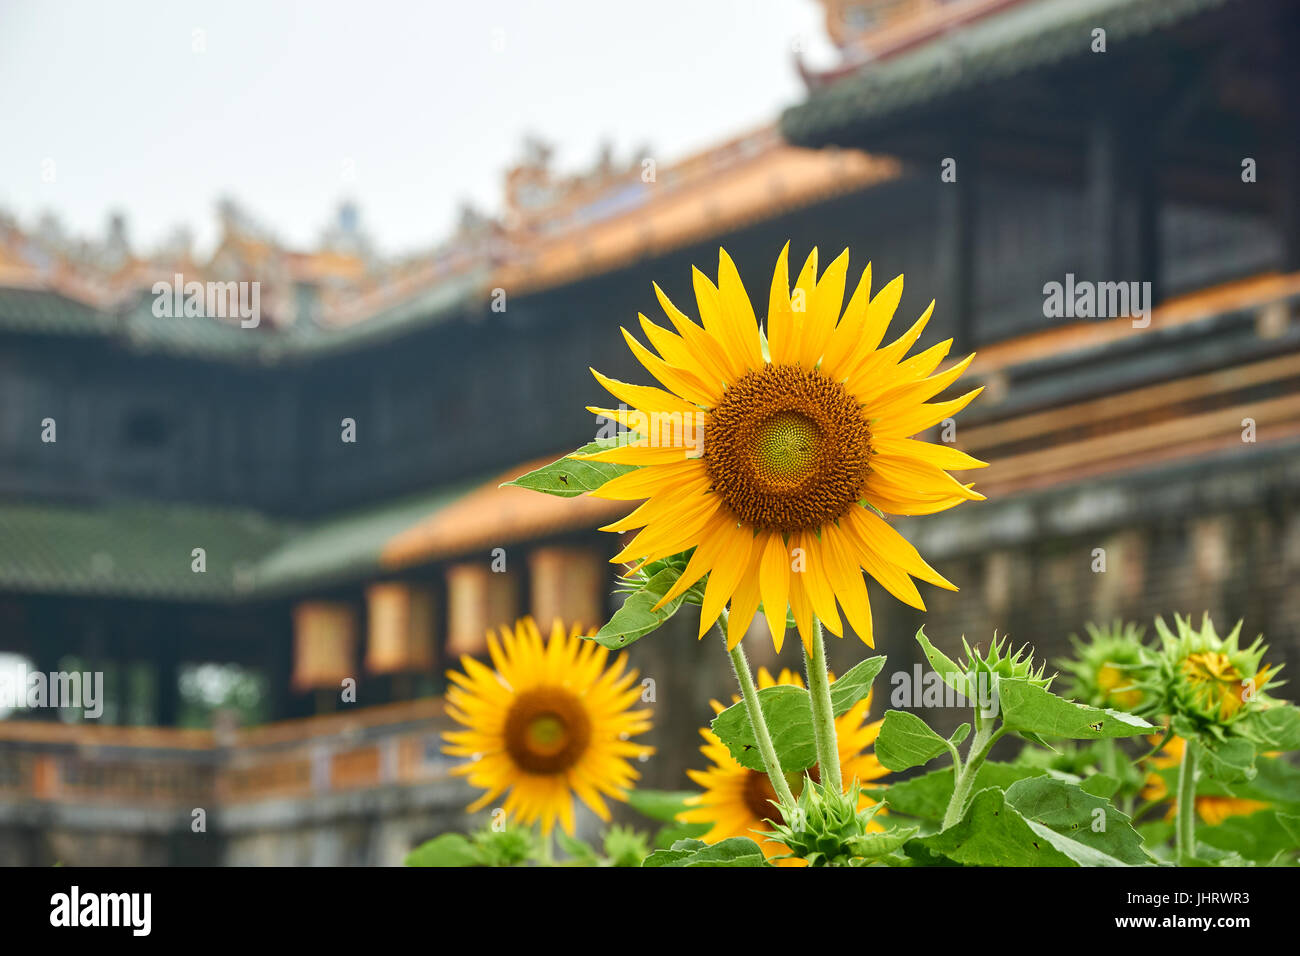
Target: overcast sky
160, 108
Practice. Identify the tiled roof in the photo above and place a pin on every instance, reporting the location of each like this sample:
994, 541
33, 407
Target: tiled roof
1022, 38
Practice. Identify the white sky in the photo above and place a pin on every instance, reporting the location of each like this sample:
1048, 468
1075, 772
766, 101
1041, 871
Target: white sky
411, 97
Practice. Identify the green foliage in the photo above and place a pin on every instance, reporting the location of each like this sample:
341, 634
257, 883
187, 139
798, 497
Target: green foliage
569, 477
736, 851
906, 741
826, 828
1028, 708
788, 712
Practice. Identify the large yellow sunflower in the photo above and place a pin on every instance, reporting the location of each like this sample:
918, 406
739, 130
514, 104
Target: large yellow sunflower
769, 452
737, 800
550, 722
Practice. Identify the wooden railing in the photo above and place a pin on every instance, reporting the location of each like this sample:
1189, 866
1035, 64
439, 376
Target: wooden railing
398, 744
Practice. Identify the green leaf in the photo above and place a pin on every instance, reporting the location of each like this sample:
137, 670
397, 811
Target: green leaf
948, 671
1227, 761
1080, 816
1277, 728
873, 845
906, 741
449, 849
736, 851
788, 712
582, 853
1258, 836
1291, 824
1032, 709
670, 833
568, 477
855, 684
636, 618
995, 833
926, 797
662, 805
1100, 785
960, 734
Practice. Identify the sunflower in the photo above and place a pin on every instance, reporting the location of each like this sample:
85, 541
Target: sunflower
551, 722
1105, 666
737, 800
1211, 808
774, 453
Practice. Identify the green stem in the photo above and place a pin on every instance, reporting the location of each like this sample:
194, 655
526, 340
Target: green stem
756, 719
964, 777
823, 712
1185, 835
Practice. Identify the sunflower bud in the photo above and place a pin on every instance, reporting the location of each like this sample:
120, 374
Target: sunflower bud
825, 826
1107, 667
1209, 682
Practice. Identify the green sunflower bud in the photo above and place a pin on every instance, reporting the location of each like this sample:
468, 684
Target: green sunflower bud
1107, 668
826, 828
1207, 682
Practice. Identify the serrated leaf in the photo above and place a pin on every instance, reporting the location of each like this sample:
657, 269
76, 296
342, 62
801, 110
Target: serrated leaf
735, 851
568, 477
1277, 728
994, 833
788, 712
906, 741
926, 797
1079, 816
1227, 761
636, 618
855, 684
448, 849
1026, 707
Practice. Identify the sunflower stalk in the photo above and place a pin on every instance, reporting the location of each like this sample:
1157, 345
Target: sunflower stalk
1185, 833
749, 693
823, 712
964, 775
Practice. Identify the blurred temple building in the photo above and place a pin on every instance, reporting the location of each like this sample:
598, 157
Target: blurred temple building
231, 518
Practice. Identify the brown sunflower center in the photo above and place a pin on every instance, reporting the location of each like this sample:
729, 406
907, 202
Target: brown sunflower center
759, 793
547, 730
787, 448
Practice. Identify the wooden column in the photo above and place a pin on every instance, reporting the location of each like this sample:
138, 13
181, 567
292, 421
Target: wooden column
402, 626
568, 584
324, 644
478, 599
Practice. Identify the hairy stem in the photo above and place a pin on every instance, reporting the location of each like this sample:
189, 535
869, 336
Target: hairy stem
823, 713
1185, 834
756, 719
964, 777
